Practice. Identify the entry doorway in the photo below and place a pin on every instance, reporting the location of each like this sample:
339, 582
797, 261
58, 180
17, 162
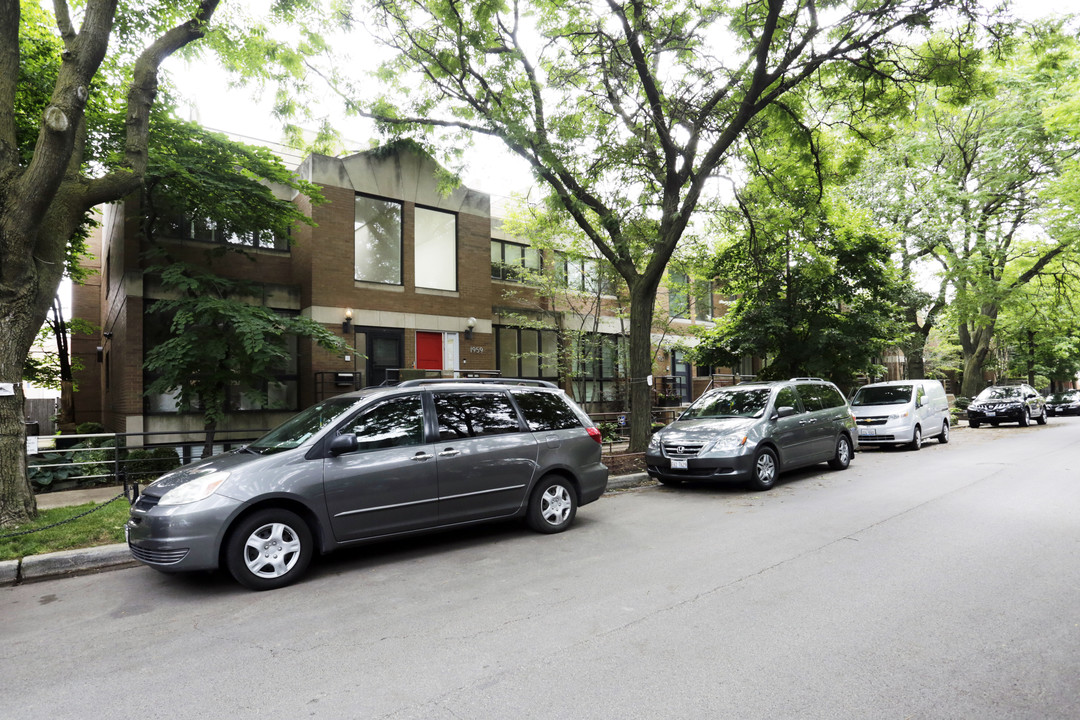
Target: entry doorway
437, 351
385, 350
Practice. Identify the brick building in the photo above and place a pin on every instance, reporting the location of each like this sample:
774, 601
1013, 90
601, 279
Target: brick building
413, 278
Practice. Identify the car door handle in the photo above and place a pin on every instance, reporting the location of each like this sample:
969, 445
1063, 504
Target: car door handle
806, 422
421, 457
449, 452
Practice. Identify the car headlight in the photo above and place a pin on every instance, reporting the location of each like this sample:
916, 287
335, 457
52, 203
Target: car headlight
195, 489
654, 441
897, 416
726, 442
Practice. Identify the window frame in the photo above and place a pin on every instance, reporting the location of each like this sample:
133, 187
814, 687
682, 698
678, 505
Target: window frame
400, 240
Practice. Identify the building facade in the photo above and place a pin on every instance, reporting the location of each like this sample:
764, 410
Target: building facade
416, 280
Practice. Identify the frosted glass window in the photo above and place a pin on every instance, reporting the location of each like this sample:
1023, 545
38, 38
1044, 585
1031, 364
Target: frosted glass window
436, 250
378, 241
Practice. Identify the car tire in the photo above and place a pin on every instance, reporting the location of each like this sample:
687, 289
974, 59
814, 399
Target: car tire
285, 552
842, 458
944, 436
973, 423
1025, 418
766, 468
552, 505
916, 439
1042, 418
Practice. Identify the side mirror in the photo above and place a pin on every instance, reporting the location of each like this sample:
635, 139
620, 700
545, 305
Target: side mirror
785, 411
343, 444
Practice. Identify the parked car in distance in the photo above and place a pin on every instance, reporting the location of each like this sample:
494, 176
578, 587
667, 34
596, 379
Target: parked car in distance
1007, 403
753, 432
1066, 402
374, 464
901, 412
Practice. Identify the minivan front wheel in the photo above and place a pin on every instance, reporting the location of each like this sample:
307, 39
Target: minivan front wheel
269, 549
552, 505
916, 439
765, 470
842, 458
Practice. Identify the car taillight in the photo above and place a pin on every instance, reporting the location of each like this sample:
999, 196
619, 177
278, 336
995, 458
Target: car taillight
595, 435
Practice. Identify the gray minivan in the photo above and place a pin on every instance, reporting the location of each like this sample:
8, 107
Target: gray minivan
753, 432
374, 464
901, 412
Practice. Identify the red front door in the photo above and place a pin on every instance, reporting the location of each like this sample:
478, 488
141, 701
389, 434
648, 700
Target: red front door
429, 351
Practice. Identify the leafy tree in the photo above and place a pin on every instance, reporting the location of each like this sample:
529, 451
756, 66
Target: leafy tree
220, 341
812, 275
59, 73
974, 184
627, 110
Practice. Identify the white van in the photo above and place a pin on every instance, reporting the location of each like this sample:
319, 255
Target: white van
901, 412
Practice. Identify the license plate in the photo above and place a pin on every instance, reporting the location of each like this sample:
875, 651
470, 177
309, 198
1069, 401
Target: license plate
678, 464
990, 413
867, 432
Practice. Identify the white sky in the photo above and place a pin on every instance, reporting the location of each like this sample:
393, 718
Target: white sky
490, 168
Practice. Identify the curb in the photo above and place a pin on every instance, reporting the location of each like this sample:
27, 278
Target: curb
48, 566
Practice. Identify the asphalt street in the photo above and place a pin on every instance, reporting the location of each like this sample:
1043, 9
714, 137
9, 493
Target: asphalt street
932, 584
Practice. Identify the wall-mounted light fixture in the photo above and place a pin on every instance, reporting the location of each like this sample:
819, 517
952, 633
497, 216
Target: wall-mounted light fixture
469, 328
108, 335
346, 324
100, 354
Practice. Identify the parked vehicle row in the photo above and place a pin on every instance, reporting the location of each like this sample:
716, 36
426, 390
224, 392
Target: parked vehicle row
427, 455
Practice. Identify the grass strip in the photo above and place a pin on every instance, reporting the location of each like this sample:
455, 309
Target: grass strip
103, 527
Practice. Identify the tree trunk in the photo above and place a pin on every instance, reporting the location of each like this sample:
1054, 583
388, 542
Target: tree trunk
976, 350
642, 299
17, 503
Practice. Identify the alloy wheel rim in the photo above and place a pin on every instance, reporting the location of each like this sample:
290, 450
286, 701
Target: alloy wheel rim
766, 468
555, 505
272, 550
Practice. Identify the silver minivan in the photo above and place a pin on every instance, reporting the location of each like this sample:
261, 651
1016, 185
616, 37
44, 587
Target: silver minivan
379, 463
901, 412
753, 432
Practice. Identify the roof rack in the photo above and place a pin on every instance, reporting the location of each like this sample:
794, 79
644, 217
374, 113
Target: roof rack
808, 378
478, 381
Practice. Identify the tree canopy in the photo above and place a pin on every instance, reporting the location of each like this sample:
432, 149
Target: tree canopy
628, 111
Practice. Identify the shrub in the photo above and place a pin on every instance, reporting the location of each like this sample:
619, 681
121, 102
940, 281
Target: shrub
144, 465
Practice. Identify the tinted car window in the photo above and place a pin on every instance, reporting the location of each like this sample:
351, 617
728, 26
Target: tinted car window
301, 426
831, 396
786, 397
463, 415
811, 397
546, 411
396, 422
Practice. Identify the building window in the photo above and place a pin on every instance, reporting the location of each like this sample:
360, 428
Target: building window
435, 249
281, 392
599, 362
512, 262
377, 232
679, 295
201, 229
586, 275
527, 353
703, 308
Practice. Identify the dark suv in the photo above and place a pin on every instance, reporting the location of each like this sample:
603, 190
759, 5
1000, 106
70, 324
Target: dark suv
1066, 402
1007, 403
752, 432
373, 464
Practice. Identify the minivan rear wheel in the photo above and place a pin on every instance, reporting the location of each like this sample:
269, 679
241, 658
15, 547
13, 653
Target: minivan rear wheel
765, 470
269, 549
552, 505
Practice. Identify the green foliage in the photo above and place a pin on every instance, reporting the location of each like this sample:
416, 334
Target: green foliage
609, 431
101, 527
219, 339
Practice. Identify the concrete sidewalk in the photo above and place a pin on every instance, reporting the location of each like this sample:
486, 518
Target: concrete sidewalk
110, 557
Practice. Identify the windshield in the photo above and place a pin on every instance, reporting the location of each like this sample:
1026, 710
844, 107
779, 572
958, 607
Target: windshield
999, 393
1067, 396
729, 403
882, 395
301, 426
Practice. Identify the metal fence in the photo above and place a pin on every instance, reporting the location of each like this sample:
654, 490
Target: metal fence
65, 462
